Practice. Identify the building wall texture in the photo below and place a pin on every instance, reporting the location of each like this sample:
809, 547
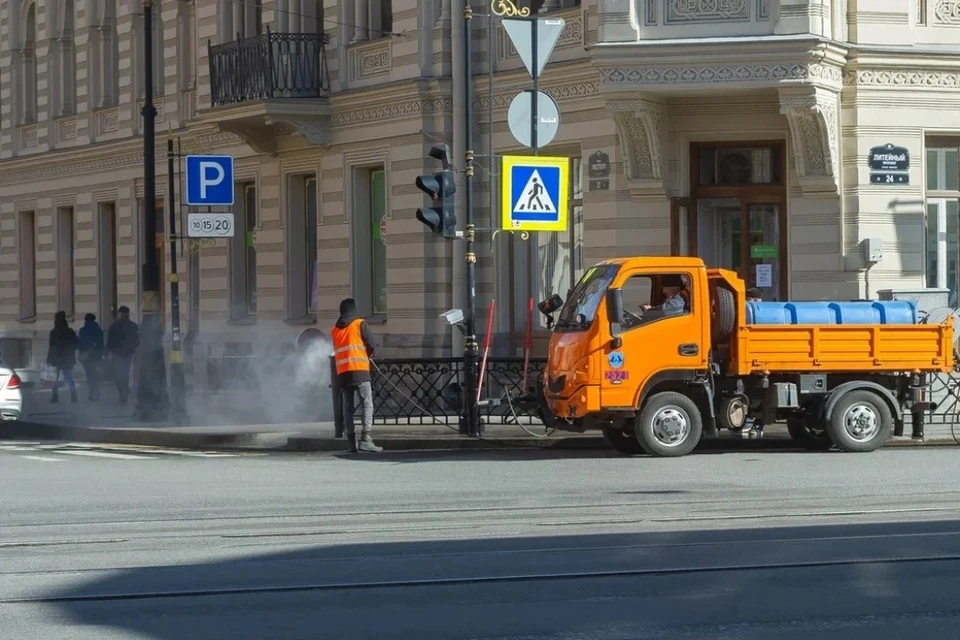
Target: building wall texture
638, 80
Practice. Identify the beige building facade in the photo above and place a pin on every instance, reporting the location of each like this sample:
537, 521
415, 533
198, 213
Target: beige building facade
737, 130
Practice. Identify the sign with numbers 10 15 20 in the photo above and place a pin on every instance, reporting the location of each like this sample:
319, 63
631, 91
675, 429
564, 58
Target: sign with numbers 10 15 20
210, 225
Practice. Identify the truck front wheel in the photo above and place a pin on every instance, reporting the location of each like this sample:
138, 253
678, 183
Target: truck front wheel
860, 421
669, 425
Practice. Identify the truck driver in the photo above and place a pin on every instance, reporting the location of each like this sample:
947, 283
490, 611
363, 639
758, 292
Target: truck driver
676, 297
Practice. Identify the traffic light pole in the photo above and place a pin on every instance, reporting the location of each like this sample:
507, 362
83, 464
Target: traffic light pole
471, 350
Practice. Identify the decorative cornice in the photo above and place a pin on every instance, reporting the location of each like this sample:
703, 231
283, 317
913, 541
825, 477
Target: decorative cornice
55, 166
903, 78
649, 77
560, 93
259, 136
395, 111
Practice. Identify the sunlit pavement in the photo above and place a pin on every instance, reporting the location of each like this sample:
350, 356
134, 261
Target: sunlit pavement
513, 544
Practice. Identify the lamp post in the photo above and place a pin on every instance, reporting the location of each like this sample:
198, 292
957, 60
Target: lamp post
152, 378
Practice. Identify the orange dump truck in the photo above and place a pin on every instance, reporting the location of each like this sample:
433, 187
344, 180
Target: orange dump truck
659, 351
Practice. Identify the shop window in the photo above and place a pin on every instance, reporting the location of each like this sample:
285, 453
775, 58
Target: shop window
310, 233
243, 253
301, 212
65, 275
27, 259
942, 238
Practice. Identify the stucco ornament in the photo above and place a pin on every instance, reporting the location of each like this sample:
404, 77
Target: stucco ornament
947, 12
813, 118
640, 130
700, 10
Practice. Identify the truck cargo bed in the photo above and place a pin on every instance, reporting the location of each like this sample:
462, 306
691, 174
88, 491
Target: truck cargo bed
843, 347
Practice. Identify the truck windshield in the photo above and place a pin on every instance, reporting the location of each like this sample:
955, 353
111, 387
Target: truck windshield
581, 308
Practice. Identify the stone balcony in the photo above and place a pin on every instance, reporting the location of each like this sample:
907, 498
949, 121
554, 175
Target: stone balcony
270, 85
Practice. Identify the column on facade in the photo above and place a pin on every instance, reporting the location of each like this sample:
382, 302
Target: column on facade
360, 20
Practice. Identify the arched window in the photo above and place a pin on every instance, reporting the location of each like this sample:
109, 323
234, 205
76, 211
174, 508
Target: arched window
107, 53
187, 44
67, 61
28, 66
158, 51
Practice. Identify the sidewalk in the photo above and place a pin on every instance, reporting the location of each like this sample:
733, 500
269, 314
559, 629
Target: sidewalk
237, 420
225, 420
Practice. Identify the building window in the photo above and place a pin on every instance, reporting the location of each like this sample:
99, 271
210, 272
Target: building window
300, 16
243, 254
107, 259
65, 244
28, 68
107, 53
560, 255
159, 64
27, 258
378, 240
372, 19
187, 36
240, 19
301, 223
729, 166
310, 233
67, 54
942, 240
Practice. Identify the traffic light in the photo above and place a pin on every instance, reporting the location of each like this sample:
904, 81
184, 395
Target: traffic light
440, 187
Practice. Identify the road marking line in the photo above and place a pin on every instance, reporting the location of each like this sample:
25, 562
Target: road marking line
8, 447
42, 458
104, 454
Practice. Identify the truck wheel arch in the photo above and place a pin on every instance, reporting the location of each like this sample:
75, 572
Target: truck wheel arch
857, 385
680, 380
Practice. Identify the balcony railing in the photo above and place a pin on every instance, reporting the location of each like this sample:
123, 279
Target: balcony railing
270, 65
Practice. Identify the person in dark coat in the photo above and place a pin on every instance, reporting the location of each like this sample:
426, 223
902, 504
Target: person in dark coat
61, 354
91, 354
123, 340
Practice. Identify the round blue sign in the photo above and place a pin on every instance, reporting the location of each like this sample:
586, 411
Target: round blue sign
615, 359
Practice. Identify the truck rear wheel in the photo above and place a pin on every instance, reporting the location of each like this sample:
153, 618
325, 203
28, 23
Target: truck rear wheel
669, 425
861, 421
622, 440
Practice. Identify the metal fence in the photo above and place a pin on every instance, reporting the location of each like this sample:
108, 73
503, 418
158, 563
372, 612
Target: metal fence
423, 391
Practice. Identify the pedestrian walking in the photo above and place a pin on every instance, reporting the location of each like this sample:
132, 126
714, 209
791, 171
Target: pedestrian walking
353, 347
92, 350
61, 355
123, 340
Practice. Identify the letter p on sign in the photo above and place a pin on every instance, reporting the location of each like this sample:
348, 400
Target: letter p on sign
209, 181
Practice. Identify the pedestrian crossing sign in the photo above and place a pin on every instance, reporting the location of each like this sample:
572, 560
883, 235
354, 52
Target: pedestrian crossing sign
535, 193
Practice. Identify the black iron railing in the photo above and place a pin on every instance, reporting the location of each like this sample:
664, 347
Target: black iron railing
427, 391
270, 65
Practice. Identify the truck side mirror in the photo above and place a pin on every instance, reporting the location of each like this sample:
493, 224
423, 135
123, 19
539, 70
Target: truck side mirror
615, 314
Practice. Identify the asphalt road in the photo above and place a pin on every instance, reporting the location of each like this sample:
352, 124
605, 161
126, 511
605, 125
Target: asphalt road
146, 544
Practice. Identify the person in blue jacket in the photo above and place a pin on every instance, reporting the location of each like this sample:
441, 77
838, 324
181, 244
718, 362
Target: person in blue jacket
91, 349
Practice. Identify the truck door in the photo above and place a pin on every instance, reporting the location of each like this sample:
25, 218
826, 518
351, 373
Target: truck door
663, 331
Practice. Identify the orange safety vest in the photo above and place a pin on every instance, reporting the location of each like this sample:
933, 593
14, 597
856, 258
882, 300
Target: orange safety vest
348, 349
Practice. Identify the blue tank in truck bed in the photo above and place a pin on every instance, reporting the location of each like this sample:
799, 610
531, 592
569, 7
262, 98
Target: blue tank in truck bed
778, 313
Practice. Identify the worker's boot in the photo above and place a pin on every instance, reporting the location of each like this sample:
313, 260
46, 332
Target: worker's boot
367, 444
352, 440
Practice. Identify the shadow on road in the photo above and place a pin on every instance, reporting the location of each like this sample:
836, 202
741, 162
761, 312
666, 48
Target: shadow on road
813, 581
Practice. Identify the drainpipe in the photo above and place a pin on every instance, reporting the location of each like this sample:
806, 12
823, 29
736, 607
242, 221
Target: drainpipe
458, 266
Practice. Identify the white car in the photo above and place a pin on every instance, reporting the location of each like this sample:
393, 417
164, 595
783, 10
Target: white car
11, 400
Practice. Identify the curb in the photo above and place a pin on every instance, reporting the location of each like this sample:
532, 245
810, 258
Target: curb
290, 441
144, 437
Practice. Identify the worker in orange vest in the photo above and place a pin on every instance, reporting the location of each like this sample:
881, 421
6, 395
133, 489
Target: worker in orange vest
353, 347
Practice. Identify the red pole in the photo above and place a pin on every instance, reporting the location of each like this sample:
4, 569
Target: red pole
527, 346
486, 350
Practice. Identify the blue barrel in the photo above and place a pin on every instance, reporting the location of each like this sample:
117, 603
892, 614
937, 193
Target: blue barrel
821, 313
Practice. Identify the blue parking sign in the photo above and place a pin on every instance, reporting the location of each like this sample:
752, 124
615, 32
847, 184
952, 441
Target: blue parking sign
209, 181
